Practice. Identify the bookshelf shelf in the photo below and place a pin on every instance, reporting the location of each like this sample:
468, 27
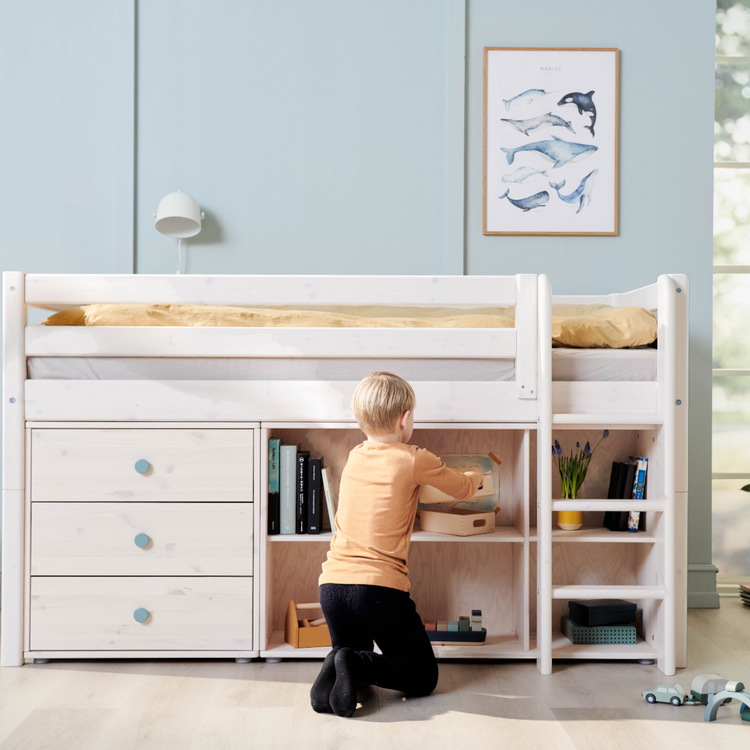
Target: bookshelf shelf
501, 534
606, 421
607, 592
599, 505
562, 648
495, 647
597, 534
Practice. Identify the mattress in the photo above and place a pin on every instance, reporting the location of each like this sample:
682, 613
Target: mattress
567, 365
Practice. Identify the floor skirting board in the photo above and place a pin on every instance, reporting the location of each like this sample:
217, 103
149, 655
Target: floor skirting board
702, 593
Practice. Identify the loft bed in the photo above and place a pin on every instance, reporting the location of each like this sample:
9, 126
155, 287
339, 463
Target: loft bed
464, 378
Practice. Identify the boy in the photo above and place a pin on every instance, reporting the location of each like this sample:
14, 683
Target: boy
364, 585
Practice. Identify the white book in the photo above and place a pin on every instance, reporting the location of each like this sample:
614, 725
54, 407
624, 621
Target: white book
288, 488
332, 502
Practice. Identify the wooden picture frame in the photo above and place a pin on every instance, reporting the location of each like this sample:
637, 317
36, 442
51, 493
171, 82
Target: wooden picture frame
580, 197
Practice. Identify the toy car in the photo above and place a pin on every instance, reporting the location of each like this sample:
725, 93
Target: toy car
666, 692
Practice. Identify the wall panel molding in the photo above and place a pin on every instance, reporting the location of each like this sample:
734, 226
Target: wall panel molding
455, 137
125, 135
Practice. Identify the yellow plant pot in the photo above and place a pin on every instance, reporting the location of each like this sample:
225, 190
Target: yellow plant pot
570, 520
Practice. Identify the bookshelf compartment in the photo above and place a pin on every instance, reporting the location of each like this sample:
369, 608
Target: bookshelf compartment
449, 575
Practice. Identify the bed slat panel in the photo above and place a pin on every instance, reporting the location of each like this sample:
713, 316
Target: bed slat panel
360, 343
313, 400
53, 291
586, 397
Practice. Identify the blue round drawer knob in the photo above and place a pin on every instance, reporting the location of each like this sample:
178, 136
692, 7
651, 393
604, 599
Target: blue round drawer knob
142, 466
142, 540
140, 615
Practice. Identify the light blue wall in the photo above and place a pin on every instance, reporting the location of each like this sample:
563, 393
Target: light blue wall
313, 134
327, 136
666, 177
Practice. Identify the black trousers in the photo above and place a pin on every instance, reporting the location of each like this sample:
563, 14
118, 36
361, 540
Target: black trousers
359, 615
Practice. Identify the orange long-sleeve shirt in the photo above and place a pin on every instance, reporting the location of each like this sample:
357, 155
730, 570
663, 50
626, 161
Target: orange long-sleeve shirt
377, 504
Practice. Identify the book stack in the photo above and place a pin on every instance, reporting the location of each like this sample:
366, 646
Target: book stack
745, 594
627, 481
297, 482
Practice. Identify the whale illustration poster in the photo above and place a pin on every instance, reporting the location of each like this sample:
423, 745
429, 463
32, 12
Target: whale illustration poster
550, 141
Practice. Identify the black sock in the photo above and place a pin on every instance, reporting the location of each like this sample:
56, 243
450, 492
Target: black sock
321, 689
343, 698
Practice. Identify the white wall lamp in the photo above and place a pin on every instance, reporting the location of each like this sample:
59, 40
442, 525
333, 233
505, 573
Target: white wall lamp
179, 216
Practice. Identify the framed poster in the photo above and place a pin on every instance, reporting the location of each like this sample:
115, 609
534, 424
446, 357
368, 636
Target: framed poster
550, 141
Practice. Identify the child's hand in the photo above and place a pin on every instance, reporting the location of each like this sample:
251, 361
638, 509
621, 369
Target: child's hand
477, 468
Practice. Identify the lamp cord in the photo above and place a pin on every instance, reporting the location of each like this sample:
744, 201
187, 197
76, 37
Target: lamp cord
179, 257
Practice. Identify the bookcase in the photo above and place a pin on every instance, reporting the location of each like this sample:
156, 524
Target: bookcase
449, 575
493, 572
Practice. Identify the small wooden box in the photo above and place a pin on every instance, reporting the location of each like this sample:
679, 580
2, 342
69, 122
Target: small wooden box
457, 521
300, 636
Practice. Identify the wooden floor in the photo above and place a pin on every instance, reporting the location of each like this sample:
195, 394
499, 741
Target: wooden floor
115, 705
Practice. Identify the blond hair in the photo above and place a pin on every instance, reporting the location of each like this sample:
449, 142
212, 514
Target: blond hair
379, 401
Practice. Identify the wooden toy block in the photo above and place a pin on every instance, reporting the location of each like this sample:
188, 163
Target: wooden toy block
442, 626
464, 624
430, 625
453, 626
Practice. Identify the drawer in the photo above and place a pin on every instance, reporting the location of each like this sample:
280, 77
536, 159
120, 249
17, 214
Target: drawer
142, 539
141, 465
102, 614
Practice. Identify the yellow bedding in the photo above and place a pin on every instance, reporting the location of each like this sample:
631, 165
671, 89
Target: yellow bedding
581, 326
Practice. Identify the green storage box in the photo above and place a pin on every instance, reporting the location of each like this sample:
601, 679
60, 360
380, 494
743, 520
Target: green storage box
597, 635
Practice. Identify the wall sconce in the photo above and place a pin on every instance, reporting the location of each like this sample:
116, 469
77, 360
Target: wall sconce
179, 216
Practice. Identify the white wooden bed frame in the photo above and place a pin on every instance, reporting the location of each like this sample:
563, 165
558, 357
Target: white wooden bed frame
533, 402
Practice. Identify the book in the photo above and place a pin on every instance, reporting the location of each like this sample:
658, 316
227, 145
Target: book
314, 515
274, 504
627, 494
639, 484
301, 508
612, 517
332, 501
620, 488
287, 488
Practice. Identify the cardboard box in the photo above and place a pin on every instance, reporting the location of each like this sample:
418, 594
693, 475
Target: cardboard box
457, 521
299, 635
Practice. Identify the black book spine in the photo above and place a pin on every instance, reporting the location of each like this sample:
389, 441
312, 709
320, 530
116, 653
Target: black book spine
611, 517
274, 512
274, 497
302, 492
314, 513
627, 495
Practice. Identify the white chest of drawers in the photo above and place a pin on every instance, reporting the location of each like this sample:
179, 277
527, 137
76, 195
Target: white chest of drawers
141, 542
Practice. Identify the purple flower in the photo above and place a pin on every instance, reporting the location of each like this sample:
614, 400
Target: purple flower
558, 449
578, 445
606, 434
553, 450
587, 449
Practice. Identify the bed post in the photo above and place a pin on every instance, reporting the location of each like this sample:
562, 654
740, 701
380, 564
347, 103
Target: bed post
544, 482
14, 375
682, 317
526, 332
668, 407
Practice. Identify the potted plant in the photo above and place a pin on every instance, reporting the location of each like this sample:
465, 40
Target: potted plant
573, 470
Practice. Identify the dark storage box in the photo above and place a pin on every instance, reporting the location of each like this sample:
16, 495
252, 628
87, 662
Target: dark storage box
595, 612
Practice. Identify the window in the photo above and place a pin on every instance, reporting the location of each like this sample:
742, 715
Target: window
731, 331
